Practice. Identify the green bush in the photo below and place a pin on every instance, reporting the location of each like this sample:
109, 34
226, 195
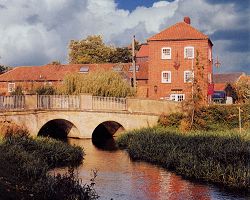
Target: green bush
221, 157
172, 120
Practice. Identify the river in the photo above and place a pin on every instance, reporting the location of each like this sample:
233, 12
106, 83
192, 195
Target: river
120, 178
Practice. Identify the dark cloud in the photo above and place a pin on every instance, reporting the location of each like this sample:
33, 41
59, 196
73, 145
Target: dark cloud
239, 39
33, 19
3, 6
239, 4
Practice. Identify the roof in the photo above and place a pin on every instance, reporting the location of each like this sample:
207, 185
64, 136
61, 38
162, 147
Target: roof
143, 51
58, 72
227, 77
179, 31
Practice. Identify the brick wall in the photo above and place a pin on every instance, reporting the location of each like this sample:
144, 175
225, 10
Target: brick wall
157, 65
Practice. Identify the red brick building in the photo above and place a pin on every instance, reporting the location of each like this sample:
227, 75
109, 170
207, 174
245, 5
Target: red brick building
172, 65
31, 77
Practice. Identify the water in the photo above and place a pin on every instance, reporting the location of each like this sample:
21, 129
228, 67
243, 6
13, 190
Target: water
120, 178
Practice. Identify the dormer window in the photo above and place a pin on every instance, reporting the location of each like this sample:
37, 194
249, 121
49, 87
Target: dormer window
84, 70
189, 52
166, 53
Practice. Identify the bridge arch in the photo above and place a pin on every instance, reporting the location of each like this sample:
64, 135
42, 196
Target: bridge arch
105, 131
59, 128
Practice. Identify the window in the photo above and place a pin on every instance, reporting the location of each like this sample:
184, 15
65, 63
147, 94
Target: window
177, 97
11, 87
166, 53
84, 70
188, 76
209, 77
131, 68
189, 52
209, 54
166, 77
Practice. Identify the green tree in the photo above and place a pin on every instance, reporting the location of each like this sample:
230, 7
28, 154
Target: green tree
121, 55
2, 69
89, 50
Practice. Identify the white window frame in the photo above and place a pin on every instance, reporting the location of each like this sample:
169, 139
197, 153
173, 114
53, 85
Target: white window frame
177, 97
11, 87
185, 54
209, 54
166, 56
209, 78
166, 79
190, 78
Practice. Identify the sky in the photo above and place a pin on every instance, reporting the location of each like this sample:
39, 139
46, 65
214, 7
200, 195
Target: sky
37, 32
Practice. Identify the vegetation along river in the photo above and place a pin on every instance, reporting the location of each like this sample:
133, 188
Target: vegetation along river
120, 178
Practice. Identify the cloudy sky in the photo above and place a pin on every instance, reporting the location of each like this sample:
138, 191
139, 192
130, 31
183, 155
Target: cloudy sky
36, 32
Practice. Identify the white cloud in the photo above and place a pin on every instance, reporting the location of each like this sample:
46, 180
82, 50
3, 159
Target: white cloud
37, 32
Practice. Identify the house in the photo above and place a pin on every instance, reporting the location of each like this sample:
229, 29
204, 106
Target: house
31, 77
172, 65
224, 86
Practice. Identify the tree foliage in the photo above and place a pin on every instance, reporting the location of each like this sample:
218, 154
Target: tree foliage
243, 89
94, 50
18, 91
100, 83
89, 50
2, 69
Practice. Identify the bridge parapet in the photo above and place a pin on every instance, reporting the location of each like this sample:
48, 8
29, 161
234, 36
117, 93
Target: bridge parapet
87, 102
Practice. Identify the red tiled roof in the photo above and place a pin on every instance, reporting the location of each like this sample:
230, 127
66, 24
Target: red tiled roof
58, 72
179, 31
143, 51
227, 77
220, 86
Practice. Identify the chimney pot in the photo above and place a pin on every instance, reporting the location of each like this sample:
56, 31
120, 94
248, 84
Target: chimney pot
187, 20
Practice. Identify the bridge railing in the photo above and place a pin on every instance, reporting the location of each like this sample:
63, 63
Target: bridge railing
109, 103
12, 102
66, 102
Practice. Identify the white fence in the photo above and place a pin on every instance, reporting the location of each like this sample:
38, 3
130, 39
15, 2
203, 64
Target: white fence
109, 103
12, 102
67, 102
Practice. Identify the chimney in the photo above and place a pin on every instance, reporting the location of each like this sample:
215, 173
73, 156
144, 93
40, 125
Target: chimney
187, 20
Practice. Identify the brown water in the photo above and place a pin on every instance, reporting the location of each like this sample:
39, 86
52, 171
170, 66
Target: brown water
122, 179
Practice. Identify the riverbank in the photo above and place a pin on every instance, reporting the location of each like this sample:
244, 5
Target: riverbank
25, 163
217, 157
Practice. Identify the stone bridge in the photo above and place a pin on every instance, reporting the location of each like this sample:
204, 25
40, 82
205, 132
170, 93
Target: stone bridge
81, 116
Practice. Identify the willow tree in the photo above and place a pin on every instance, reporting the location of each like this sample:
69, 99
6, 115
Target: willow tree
99, 83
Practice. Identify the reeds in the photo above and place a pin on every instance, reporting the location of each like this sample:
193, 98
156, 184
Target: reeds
221, 158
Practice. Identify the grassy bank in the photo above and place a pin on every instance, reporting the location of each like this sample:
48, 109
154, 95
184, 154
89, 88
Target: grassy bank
218, 157
25, 163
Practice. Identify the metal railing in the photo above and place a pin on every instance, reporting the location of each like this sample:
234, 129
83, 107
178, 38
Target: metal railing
109, 103
67, 102
16, 102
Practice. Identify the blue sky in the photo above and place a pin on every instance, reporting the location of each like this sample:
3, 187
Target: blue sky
37, 32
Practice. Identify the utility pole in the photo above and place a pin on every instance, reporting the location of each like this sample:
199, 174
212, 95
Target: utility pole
133, 62
240, 119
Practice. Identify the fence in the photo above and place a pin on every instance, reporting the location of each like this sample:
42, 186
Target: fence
109, 103
58, 102
12, 102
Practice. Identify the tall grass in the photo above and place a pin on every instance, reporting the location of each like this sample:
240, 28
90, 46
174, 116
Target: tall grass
221, 158
99, 83
25, 163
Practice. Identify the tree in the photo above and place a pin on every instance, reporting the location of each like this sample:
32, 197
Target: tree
99, 83
2, 69
243, 89
122, 55
89, 50
55, 62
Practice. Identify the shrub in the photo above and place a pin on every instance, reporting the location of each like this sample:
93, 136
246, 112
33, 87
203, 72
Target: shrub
172, 120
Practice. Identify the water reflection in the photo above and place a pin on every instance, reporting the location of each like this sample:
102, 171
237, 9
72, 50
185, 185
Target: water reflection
122, 179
